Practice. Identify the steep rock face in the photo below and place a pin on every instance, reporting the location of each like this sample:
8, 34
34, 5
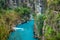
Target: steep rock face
53, 12
51, 24
52, 27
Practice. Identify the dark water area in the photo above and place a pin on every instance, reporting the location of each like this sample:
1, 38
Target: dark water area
24, 31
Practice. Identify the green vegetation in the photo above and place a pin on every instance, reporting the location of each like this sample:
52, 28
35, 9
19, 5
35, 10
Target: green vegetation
40, 22
50, 21
10, 18
52, 26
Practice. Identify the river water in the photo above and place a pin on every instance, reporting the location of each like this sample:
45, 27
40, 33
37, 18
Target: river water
23, 31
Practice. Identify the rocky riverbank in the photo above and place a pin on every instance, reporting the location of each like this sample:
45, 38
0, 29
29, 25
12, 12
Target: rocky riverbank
36, 33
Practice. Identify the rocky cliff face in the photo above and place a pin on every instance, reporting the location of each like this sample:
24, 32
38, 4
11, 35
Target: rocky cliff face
51, 24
